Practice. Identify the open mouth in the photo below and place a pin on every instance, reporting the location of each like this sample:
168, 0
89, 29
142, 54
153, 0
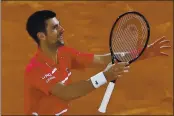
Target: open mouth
61, 38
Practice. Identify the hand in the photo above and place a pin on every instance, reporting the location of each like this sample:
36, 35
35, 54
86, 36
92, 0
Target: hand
157, 47
113, 71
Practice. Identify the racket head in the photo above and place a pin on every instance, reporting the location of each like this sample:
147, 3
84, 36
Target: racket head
112, 33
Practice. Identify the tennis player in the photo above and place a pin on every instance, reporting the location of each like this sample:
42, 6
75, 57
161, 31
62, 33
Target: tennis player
47, 83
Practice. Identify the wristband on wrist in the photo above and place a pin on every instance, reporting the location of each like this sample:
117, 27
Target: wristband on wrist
98, 80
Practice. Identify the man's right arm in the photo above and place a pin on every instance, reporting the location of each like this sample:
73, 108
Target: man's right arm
72, 91
82, 88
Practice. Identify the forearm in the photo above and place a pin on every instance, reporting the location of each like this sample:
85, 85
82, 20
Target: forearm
79, 89
76, 90
102, 60
106, 58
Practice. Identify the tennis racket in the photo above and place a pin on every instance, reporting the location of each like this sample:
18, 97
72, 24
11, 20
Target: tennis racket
129, 37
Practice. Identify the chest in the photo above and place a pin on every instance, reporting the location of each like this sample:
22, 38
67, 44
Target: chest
60, 72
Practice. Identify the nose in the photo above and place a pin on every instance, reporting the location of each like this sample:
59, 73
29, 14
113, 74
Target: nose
61, 29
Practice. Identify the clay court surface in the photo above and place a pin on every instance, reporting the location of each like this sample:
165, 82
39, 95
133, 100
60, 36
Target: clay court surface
147, 89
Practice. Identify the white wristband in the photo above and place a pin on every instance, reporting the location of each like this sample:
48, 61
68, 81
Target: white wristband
98, 80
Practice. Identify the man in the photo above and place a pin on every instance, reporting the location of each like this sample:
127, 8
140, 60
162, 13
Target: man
47, 83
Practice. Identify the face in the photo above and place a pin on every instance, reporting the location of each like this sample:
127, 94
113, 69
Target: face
54, 36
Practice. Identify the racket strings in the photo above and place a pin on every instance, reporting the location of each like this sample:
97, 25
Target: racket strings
124, 34
129, 37
124, 44
121, 45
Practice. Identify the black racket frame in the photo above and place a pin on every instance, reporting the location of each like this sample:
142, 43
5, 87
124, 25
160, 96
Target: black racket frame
113, 57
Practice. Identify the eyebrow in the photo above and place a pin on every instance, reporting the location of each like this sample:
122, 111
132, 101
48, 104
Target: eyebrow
56, 25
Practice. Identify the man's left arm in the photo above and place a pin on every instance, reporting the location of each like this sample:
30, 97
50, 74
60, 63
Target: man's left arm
155, 49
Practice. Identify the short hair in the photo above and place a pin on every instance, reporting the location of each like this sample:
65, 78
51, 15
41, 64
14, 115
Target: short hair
37, 23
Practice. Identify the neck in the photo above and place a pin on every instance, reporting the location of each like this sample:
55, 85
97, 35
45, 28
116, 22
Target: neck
50, 51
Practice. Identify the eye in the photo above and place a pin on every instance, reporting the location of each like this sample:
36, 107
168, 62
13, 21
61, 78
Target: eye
55, 27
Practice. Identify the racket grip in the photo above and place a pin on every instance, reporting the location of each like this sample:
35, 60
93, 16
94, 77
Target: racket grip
106, 97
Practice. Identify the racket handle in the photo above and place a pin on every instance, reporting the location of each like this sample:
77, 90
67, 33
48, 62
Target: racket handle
106, 97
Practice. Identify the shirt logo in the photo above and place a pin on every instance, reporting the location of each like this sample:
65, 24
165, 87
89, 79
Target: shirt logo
49, 76
96, 82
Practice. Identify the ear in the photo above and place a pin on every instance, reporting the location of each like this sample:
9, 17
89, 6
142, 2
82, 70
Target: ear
41, 36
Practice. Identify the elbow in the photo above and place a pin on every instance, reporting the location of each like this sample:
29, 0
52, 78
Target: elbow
61, 92
69, 98
62, 96
66, 99
66, 96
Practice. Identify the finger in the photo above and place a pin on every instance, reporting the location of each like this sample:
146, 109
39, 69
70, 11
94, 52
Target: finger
123, 63
121, 66
122, 69
110, 64
116, 75
127, 67
119, 76
164, 42
164, 54
119, 71
160, 39
118, 67
126, 71
165, 47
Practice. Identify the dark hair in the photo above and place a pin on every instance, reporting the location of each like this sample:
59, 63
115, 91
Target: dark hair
36, 23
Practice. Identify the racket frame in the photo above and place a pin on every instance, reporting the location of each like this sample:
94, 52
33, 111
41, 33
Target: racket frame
113, 57
109, 90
